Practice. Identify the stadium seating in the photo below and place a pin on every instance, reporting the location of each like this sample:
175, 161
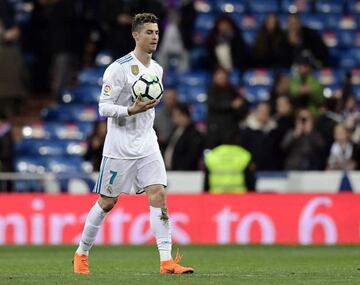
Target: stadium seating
71, 113
295, 6
329, 6
261, 6
85, 93
231, 6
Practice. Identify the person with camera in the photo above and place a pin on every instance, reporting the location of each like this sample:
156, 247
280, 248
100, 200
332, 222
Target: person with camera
303, 145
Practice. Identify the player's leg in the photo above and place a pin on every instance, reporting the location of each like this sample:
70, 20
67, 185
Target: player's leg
109, 189
152, 178
92, 226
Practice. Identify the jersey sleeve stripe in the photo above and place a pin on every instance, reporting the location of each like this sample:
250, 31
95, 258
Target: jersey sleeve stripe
125, 59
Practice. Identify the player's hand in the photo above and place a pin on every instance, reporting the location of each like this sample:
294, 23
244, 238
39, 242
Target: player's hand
141, 106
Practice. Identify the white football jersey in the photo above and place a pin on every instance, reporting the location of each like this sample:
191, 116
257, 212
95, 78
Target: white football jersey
128, 137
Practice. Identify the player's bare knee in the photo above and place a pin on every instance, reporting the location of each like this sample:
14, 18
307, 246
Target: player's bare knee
157, 197
107, 203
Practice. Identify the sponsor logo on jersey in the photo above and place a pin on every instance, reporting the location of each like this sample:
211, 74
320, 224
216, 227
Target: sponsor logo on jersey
135, 69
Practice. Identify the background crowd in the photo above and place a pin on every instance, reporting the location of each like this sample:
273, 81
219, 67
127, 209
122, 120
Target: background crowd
301, 122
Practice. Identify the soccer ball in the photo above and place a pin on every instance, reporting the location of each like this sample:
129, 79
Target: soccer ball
148, 87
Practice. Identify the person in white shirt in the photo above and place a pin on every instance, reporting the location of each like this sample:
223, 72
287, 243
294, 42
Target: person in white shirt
131, 155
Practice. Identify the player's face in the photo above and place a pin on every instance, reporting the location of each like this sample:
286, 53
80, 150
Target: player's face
147, 38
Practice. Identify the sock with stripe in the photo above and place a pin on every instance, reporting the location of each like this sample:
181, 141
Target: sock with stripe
93, 223
161, 227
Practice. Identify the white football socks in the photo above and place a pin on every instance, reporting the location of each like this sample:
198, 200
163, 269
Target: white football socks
160, 225
92, 225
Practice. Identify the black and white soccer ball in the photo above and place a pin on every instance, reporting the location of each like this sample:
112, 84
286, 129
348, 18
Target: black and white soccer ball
148, 87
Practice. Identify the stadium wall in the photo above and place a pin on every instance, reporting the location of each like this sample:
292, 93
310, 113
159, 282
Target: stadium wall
193, 182
197, 218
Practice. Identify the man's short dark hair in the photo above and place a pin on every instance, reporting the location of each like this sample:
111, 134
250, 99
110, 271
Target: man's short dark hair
141, 19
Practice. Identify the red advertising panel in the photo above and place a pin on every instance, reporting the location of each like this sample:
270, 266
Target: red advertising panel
210, 219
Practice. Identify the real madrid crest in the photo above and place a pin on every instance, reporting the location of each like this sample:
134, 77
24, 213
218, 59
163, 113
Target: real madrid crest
135, 69
108, 189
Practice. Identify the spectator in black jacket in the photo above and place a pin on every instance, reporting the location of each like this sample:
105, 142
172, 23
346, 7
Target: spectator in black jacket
185, 147
225, 108
298, 38
225, 45
6, 152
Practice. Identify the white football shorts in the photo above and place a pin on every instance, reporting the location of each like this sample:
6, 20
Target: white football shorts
118, 176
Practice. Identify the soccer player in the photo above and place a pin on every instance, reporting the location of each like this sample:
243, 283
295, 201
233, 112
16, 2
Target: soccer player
131, 154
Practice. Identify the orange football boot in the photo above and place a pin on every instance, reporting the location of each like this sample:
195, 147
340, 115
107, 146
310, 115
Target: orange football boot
172, 267
81, 264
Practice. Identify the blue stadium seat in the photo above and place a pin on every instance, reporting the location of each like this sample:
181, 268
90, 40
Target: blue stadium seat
348, 60
92, 75
204, 22
329, 6
295, 6
192, 94
355, 78
40, 147
103, 58
256, 94
71, 113
85, 93
348, 22
330, 38
258, 77
198, 112
68, 164
313, 21
250, 22
353, 6
231, 6
356, 92
249, 36
330, 76
235, 78
261, 6
347, 38
194, 78
57, 130
26, 164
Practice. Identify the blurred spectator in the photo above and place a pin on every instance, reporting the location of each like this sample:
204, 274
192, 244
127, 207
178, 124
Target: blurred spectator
186, 143
284, 116
12, 72
163, 123
225, 45
305, 88
57, 38
328, 119
298, 38
344, 155
267, 48
259, 138
225, 107
96, 144
115, 18
229, 168
304, 147
280, 88
6, 152
351, 117
188, 16
172, 53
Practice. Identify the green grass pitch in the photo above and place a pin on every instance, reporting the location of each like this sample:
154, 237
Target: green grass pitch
130, 265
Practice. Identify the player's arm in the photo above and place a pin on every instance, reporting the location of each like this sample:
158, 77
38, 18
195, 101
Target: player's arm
113, 82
